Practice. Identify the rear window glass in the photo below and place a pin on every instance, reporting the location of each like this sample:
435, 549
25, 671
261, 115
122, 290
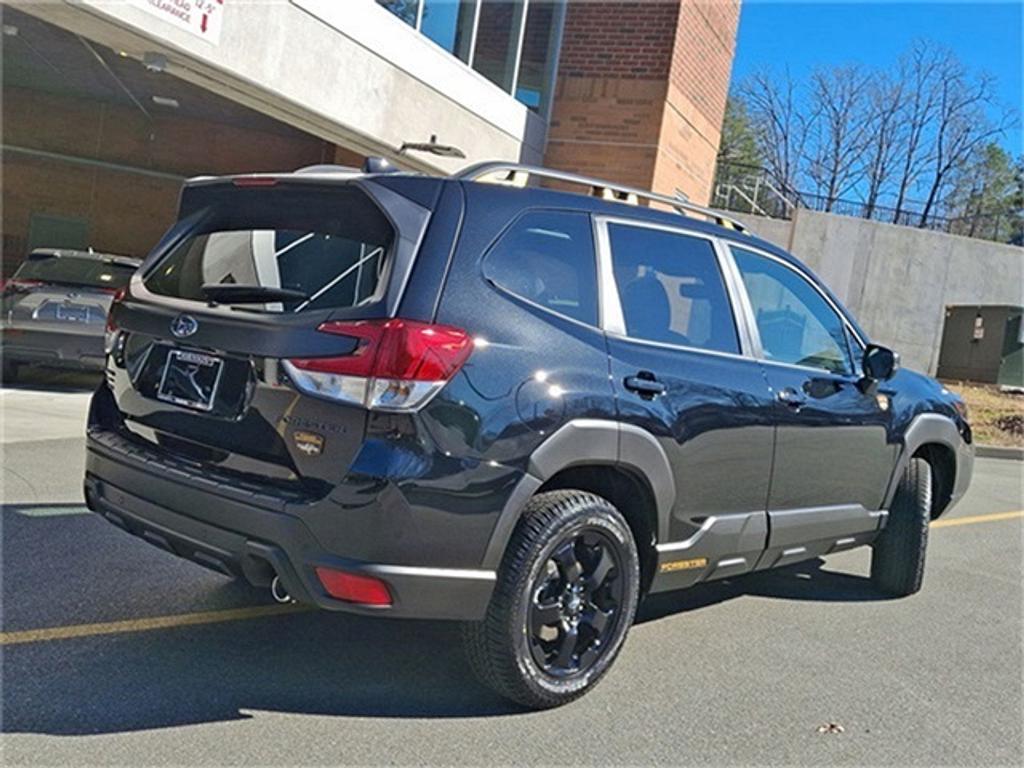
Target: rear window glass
547, 258
72, 270
328, 247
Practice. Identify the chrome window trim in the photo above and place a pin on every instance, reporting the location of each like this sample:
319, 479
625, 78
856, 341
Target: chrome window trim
681, 347
729, 246
610, 304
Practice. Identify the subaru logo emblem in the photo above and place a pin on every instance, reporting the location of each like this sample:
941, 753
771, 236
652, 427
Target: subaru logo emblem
183, 326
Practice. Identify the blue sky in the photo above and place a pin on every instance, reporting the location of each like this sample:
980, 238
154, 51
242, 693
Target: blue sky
801, 35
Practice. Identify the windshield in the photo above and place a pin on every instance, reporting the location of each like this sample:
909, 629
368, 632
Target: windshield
73, 270
306, 246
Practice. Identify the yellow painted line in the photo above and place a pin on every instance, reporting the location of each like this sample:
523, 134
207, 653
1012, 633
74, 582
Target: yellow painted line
261, 611
978, 519
146, 625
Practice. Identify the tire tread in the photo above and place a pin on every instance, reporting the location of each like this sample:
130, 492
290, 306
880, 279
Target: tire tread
898, 556
485, 642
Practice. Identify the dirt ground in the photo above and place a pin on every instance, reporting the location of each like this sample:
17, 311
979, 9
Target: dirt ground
996, 417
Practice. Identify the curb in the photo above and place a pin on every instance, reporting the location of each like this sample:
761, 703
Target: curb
999, 452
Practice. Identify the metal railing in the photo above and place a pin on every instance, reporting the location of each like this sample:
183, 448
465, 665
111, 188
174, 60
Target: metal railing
749, 189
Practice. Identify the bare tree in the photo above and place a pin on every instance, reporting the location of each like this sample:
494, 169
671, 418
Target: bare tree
961, 126
918, 72
780, 125
838, 131
885, 100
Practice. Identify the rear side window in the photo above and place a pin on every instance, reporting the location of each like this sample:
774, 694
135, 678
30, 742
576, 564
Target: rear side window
330, 247
73, 270
671, 289
547, 258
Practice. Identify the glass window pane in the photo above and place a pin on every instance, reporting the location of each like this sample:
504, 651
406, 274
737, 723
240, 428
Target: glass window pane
307, 241
796, 324
547, 258
406, 10
535, 66
449, 23
497, 41
671, 289
71, 270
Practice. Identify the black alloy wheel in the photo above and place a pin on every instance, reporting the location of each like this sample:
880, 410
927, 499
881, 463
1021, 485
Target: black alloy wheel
565, 598
575, 603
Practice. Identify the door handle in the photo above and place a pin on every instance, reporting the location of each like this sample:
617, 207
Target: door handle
791, 397
645, 384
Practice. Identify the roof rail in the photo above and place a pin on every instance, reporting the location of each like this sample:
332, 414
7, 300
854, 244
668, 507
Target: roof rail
518, 175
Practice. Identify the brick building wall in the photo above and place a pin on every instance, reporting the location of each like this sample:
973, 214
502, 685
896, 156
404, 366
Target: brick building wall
125, 211
641, 92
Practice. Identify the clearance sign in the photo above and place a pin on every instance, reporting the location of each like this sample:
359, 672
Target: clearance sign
200, 17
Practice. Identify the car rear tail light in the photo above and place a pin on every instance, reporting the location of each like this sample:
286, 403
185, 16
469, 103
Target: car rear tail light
110, 335
397, 365
354, 587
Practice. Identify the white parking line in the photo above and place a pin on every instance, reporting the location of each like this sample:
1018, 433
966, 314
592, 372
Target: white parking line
46, 511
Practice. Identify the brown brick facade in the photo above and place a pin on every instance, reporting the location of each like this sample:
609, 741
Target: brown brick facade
124, 211
641, 91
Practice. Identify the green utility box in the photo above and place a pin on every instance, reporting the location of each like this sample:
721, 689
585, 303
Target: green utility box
983, 344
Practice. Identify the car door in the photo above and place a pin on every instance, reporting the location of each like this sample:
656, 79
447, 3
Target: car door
833, 455
681, 371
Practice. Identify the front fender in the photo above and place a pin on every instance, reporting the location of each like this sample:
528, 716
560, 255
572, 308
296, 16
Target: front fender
934, 428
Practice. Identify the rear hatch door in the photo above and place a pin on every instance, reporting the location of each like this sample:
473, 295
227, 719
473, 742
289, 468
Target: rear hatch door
241, 284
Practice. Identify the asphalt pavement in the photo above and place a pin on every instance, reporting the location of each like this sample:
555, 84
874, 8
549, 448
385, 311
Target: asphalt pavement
116, 653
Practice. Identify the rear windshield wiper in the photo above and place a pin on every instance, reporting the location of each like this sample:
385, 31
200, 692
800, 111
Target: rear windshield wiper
233, 293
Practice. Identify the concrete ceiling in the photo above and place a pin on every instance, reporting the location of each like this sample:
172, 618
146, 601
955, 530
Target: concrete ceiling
43, 57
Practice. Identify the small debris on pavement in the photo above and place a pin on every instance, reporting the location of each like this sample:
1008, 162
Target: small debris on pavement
830, 728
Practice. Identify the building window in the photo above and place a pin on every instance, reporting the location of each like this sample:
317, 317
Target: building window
537, 61
449, 23
407, 10
497, 41
513, 43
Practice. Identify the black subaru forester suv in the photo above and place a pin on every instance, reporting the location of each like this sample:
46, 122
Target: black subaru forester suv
514, 406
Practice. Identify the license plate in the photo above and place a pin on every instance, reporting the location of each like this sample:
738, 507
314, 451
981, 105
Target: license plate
72, 314
190, 379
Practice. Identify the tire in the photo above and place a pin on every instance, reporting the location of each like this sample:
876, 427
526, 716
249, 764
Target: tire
570, 576
897, 558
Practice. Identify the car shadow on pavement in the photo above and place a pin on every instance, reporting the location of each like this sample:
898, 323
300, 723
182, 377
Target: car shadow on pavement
314, 663
802, 581
54, 381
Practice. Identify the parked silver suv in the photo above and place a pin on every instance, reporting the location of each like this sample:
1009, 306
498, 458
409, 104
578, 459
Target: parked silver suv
55, 308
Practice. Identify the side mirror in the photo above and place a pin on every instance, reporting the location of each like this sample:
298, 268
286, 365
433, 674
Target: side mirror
880, 363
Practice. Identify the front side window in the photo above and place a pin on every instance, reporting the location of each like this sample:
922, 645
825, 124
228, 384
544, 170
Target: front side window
547, 258
671, 289
796, 324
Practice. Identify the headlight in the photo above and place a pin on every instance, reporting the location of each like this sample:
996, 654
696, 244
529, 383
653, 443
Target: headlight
961, 408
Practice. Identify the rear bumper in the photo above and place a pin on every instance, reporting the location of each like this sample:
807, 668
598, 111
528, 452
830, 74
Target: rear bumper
58, 350
255, 538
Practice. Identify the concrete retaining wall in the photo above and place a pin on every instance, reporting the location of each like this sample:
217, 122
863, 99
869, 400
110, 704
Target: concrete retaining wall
898, 281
